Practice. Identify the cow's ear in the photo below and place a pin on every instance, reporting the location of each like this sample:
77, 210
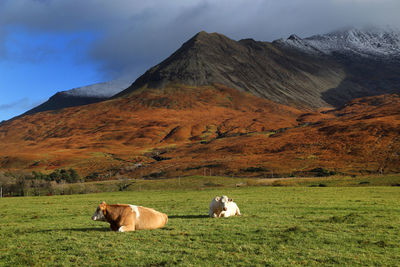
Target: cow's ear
103, 205
217, 198
230, 199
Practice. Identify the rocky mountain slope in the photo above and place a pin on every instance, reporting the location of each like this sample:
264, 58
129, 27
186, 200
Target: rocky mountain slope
260, 68
370, 59
320, 71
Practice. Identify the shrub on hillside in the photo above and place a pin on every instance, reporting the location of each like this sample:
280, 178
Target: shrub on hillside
321, 172
92, 177
69, 176
255, 169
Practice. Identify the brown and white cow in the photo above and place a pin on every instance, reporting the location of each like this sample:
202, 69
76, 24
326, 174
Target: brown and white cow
223, 207
124, 218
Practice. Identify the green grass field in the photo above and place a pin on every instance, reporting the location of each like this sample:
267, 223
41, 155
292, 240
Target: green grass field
207, 182
280, 226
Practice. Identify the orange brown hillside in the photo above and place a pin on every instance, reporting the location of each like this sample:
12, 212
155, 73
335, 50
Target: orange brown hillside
121, 131
183, 130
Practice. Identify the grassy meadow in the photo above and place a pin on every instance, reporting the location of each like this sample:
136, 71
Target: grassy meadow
206, 182
280, 226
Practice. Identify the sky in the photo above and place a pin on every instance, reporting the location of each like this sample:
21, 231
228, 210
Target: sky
47, 46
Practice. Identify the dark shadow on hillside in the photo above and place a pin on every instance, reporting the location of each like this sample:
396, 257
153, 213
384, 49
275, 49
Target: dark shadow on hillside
364, 77
200, 216
341, 95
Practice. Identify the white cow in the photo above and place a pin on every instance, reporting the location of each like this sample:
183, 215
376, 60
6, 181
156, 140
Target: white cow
223, 207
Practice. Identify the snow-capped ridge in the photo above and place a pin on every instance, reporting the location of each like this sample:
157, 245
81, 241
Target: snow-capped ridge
100, 90
372, 41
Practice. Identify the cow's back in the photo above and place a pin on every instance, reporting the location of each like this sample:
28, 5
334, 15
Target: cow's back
148, 218
232, 210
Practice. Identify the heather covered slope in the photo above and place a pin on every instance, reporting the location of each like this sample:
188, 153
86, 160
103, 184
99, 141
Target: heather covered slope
122, 131
184, 130
361, 138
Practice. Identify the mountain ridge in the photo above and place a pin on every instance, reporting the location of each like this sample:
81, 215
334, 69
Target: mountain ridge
247, 65
275, 71
79, 96
290, 72
366, 42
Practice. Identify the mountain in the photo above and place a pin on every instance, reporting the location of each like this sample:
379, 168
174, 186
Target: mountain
318, 71
260, 68
243, 108
369, 42
369, 58
82, 96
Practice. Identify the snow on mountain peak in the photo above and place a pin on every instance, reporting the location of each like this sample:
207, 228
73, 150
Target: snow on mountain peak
100, 90
370, 41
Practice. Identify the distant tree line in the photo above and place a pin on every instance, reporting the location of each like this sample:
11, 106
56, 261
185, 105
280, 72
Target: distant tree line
59, 175
21, 183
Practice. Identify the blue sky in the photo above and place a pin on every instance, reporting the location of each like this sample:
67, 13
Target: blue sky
29, 74
48, 46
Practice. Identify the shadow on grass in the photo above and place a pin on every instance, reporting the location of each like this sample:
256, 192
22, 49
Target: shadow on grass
88, 229
188, 216
83, 229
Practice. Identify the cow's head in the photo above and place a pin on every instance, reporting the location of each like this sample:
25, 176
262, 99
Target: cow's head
224, 200
100, 212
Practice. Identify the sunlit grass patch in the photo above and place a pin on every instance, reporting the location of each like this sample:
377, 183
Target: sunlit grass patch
279, 226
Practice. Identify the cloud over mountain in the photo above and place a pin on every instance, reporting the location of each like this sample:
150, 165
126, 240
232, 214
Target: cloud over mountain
130, 36
23, 103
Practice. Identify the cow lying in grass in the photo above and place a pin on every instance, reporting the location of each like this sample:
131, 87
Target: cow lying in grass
223, 207
124, 218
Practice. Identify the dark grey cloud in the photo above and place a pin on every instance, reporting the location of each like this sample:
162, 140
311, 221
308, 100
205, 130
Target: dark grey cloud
134, 35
